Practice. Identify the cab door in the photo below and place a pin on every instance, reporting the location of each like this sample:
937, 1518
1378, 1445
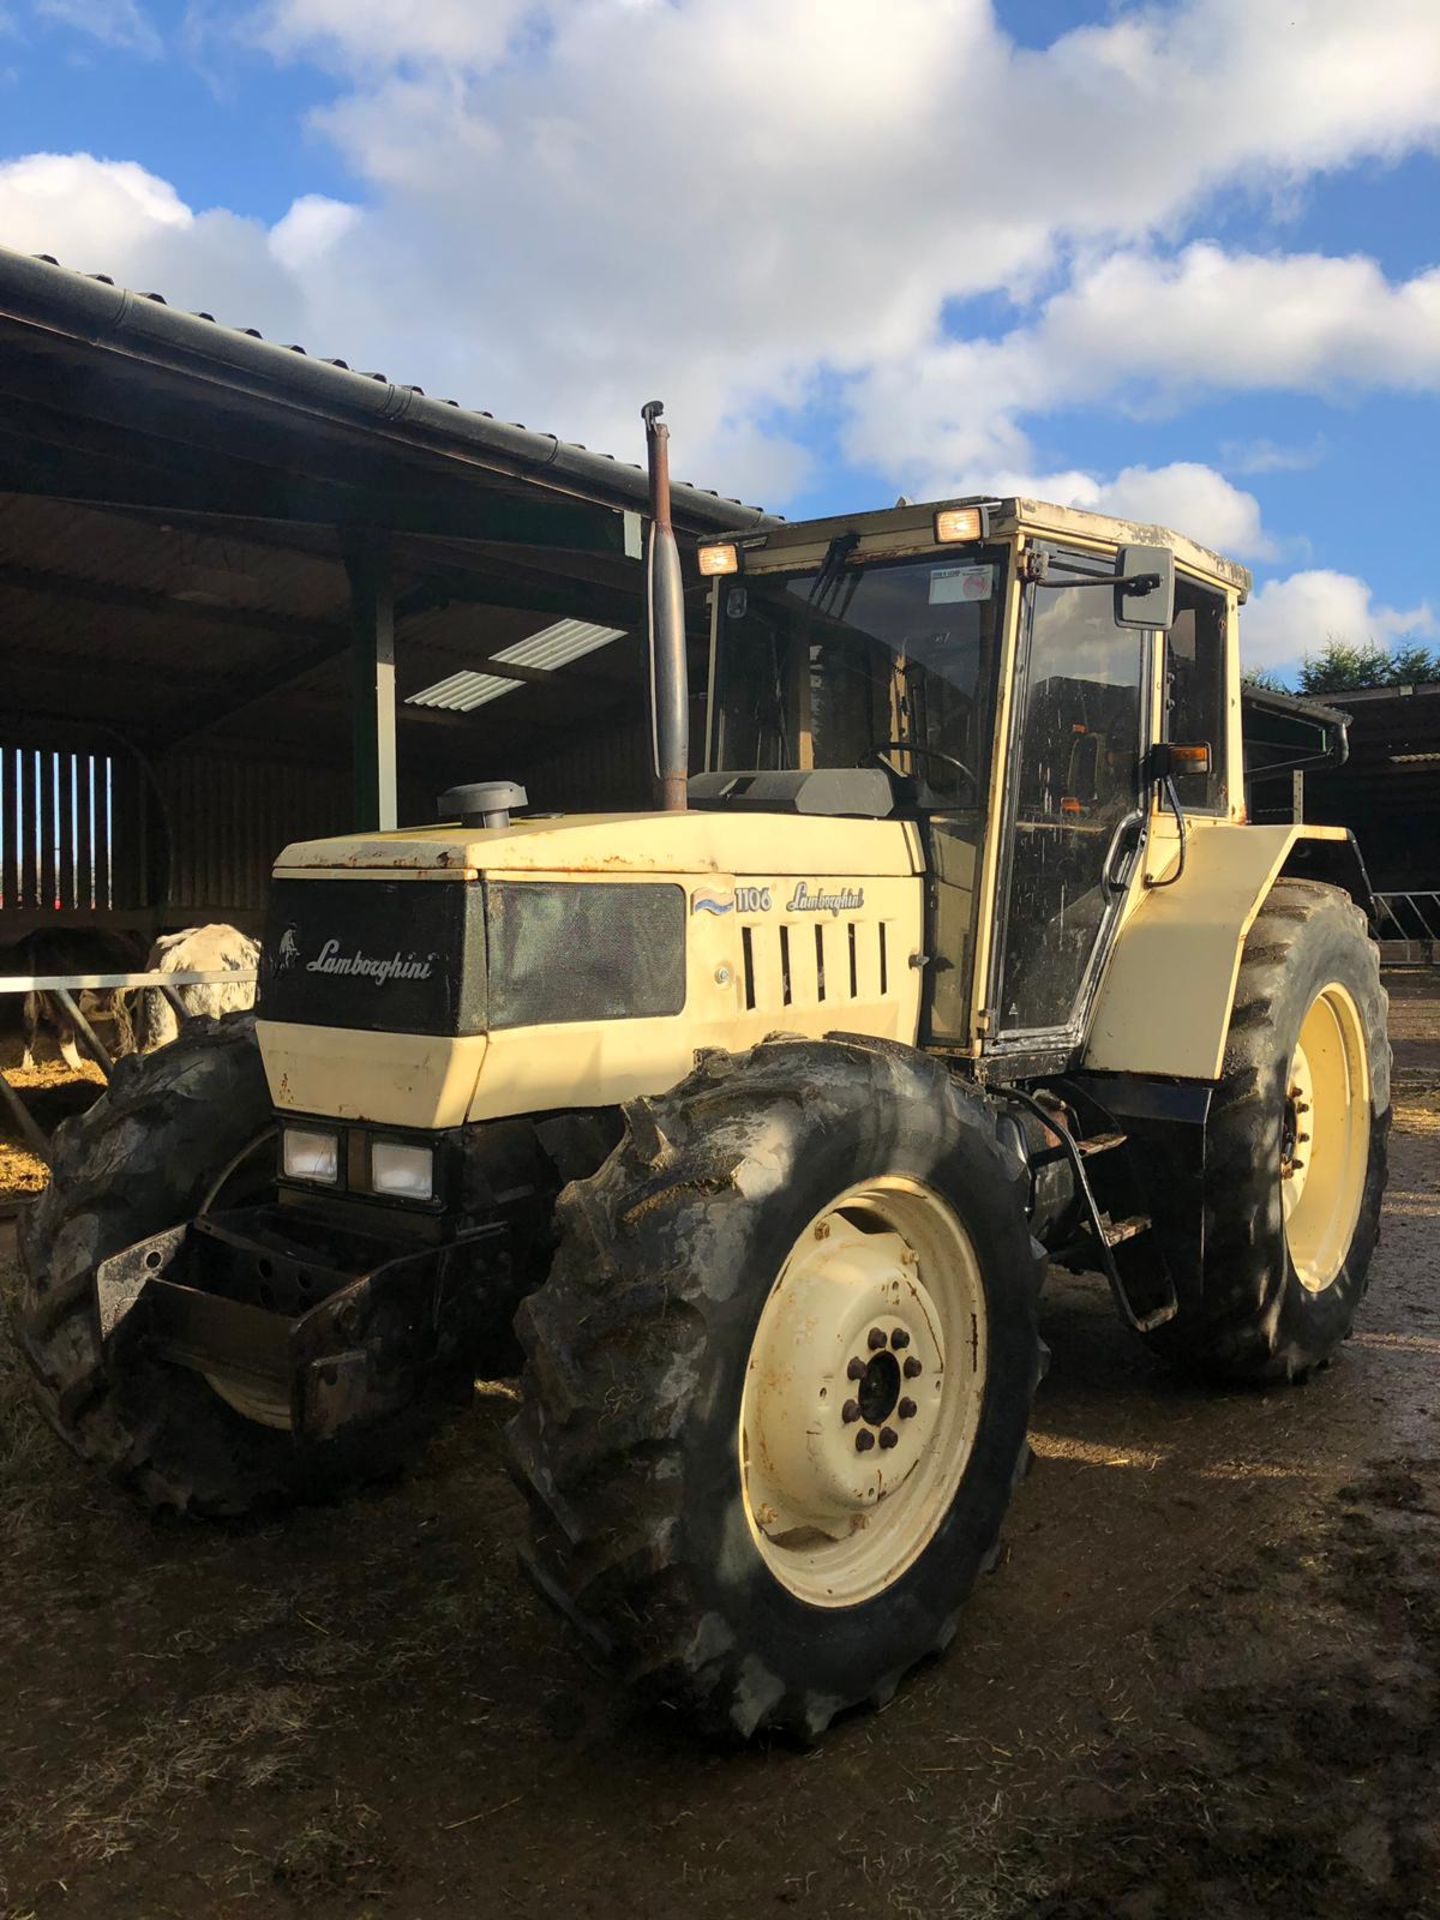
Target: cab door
1074, 821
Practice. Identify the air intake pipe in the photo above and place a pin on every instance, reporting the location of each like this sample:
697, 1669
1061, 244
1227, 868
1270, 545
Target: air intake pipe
665, 613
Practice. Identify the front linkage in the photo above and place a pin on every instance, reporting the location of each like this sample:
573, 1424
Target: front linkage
319, 1327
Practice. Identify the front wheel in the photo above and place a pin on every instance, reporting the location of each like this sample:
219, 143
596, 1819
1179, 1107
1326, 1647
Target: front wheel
173, 1134
778, 1382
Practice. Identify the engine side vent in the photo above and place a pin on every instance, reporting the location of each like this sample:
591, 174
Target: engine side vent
825, 965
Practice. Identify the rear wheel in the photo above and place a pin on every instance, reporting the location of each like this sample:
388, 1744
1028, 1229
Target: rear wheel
778, 1382
176, 1132
1295, 1150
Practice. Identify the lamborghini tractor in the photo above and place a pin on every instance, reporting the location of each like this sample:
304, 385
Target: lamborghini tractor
756, 1120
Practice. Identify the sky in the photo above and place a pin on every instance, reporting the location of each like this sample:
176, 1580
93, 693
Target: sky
1177, 261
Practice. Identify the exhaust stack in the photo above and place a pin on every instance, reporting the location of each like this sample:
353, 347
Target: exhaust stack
665, 609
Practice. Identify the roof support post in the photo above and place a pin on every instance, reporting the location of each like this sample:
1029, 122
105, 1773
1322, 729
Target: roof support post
372, 625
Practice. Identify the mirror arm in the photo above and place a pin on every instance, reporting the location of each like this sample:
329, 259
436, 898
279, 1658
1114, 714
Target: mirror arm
1035, 569
1127, 583
1167, 782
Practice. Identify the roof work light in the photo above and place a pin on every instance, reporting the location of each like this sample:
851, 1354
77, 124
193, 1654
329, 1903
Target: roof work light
718, 560
959, 523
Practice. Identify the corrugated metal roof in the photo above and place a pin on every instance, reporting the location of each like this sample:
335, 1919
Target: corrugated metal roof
553, 647
94, 309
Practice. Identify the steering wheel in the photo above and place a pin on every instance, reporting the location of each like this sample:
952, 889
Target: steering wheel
882, 748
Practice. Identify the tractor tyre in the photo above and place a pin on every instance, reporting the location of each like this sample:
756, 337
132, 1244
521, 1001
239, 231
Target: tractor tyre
154, 1150
1295, 1147
779, 1379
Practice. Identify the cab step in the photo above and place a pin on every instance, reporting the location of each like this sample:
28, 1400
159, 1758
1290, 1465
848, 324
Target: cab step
1099, 1234
1101, 1143
1118, 1231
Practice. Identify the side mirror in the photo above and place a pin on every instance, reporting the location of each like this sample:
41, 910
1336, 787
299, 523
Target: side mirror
1145, 590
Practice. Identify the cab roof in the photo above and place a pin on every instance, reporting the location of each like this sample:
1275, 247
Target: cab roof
910, 529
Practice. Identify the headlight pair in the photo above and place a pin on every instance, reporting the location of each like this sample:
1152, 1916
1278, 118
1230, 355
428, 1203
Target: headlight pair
393, 1169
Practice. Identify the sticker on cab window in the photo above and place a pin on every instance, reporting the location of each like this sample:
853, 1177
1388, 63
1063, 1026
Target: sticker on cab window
949, 584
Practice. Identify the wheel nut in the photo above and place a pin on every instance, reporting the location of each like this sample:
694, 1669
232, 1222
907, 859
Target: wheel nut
899, 1339
864, 1440
877, 1339
913, 1368
907, 1409
850, 1412
889, 1437
855, 1370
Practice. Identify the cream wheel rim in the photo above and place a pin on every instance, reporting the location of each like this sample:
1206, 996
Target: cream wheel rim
1325, 1137
250, 1395
254, 1398
863, 1392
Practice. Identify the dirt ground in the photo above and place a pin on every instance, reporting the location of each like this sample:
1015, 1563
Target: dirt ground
1204, 1681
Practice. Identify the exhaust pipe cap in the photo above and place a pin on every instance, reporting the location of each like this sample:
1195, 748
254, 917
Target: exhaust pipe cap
485, 803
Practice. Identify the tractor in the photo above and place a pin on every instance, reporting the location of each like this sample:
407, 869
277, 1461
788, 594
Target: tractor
748, 1127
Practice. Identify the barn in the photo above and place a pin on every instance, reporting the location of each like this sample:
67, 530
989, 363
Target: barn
1388, 793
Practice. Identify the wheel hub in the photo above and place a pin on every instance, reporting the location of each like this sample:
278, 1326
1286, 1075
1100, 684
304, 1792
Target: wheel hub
828, 1438
847, 1407
879, 1389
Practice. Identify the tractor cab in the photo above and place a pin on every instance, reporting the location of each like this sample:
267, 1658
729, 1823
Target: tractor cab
1020, 680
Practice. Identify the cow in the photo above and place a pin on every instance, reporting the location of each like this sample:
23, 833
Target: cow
64, 950
145, 1019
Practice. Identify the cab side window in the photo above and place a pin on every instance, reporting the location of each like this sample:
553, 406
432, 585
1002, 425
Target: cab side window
1195, 691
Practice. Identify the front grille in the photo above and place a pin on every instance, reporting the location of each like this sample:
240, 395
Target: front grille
381, 956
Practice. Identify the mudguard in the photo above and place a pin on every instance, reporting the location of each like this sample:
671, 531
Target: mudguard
1163, 1008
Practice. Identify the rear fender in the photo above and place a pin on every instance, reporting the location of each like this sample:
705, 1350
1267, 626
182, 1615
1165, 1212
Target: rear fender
1163, 1008
1337, 861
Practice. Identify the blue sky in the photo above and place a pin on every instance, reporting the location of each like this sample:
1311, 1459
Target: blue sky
1176, 260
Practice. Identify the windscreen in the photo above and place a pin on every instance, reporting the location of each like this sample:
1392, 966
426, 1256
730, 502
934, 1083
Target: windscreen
838, 666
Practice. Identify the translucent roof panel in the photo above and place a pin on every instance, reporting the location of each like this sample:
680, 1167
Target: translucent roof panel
550, 649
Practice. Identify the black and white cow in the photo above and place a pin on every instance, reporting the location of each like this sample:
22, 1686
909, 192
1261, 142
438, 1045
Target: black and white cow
63, 950
145, 1019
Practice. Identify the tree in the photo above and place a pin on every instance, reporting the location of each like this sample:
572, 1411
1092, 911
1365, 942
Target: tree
1343, 666
1411, 665
1263, 678
1350, 666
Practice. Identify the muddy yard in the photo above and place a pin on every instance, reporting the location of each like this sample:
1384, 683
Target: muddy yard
1204, 1680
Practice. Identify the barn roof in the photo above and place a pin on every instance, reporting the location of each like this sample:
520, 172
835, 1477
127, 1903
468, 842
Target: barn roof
179, 501
37, 292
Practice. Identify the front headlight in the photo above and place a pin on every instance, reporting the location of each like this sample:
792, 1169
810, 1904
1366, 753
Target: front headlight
403, 1171
307, 1153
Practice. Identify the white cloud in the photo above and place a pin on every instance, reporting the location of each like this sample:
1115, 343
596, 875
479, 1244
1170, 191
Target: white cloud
86, 211
114, 23
1190, 498
1151, 333
722, 200
1297, 615
574, 205
112, 216
370, 35
1185, 496
1211, 319
311, 228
